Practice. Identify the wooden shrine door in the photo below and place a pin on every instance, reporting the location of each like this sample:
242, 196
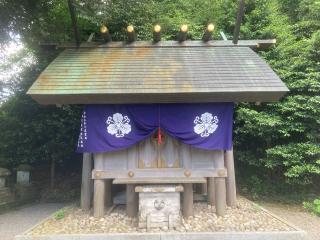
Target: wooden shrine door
151, 154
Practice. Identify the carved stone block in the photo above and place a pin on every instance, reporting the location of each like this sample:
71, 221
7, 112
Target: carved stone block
159, 206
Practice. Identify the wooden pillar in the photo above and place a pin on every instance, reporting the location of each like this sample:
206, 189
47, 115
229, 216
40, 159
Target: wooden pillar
108, 195
211, 191
204, 188
99, 198
231, 179
85, 201
187, 204
132, 201
220, 189
220, 196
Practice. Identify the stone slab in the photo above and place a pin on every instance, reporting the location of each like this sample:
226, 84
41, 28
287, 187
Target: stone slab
293, 235
159, 188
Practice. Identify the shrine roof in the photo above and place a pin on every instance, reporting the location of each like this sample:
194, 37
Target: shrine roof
159, 73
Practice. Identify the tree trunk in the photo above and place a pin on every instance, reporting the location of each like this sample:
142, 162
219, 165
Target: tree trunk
52, 173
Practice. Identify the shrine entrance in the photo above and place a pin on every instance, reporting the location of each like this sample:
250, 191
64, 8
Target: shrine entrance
159, 151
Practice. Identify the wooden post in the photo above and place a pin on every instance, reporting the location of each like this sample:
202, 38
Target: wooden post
211, 191
99, 198
220, 189
157, 33
187, 205
108, 195
231, 180
204, 188
132, 201
220, 197
207, 36
104, 31
183, 33
86, 182
131, 34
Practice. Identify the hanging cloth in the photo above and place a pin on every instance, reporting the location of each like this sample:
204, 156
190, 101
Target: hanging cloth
107, 128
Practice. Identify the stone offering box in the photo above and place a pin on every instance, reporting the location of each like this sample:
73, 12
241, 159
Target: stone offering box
4, 173
159, 206
23, 174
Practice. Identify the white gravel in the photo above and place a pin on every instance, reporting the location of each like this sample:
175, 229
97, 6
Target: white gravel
244, 218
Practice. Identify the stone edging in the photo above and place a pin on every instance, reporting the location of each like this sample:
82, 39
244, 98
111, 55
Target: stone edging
293, 235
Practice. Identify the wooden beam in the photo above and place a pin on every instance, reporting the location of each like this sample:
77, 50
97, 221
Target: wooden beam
238, 22
85, 202
74, 23
157, 33
183, 33
158, 173
144, 180
207, 36
131, 34
254, 44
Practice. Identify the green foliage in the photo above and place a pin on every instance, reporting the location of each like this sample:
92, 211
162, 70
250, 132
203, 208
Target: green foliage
313, 206
282, 139
31, 133
60, 214
301, 160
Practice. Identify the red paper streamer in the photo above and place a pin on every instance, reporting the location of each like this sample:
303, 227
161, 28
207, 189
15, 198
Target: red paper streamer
159, 136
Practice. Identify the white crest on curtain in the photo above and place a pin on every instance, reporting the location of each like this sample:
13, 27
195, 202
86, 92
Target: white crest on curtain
118, 125
206, 124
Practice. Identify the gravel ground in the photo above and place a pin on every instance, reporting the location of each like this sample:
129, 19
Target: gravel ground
246, 217
299, 217
19, 220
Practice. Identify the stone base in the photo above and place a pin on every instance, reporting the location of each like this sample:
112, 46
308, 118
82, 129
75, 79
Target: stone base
17, 195
159, 206
7, 197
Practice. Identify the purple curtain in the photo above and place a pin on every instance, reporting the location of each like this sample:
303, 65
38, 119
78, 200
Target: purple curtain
107, 128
